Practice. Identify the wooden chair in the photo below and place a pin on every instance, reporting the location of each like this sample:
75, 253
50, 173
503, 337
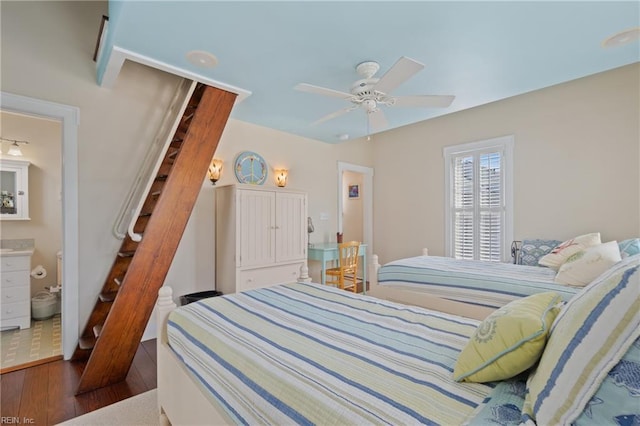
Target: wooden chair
347, 270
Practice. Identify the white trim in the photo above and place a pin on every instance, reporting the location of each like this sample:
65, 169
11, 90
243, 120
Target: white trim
118, 55
69, 117
367, 197
505, 144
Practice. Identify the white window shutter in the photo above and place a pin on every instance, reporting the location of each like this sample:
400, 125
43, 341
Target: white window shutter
478, 208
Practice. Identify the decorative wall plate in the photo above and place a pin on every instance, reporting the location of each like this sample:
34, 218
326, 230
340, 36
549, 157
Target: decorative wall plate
250, 168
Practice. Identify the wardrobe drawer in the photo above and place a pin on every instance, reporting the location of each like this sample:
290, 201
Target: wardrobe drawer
15, 263
14, 279
14, 294
264, 277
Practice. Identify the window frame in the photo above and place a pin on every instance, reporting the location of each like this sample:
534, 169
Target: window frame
505, 145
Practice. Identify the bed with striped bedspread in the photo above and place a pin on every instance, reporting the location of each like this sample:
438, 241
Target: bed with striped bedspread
311, 354
476, 282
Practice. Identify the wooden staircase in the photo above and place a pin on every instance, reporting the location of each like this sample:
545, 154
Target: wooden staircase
114, 329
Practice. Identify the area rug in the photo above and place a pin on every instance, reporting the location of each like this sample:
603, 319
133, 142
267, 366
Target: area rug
139, 410
41, 341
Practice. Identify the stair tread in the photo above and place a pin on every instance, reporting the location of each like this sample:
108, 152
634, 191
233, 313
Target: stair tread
97, 329
109, 296
128, 253
87, 342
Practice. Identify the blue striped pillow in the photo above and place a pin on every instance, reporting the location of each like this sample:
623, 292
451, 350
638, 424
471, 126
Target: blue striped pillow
588, 338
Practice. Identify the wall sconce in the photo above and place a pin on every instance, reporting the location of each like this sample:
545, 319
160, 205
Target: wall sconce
215, 169
14, 149
281, 177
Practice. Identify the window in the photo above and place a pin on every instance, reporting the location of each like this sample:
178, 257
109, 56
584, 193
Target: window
478, 192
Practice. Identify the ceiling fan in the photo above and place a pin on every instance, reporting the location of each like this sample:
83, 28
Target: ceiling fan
369, 93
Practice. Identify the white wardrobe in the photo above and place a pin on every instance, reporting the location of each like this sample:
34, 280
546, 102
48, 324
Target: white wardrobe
261, 236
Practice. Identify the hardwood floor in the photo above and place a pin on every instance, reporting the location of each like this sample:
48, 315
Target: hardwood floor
44, 394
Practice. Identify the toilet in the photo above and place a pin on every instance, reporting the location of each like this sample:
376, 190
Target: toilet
47, 303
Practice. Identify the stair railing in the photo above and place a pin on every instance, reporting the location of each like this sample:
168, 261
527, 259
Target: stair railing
132, 206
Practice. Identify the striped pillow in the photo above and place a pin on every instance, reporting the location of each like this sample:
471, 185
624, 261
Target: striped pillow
588, 338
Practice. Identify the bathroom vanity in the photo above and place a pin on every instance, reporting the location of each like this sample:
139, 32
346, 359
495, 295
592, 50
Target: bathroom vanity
15, 288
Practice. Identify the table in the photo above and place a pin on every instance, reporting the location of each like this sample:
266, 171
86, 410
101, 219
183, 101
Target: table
326, 252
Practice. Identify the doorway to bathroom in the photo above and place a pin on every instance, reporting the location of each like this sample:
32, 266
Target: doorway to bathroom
34, 290
66, 197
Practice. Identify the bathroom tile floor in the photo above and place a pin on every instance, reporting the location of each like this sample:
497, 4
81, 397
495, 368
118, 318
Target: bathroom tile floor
30, 346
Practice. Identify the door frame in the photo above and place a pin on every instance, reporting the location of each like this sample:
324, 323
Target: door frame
366, 193
69, 117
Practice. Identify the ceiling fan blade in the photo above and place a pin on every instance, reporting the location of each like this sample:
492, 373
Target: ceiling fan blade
400, 72
310, 88
377, 120
335, 114
429, 101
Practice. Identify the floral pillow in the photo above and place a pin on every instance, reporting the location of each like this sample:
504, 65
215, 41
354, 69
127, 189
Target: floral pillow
563, 251
584, 266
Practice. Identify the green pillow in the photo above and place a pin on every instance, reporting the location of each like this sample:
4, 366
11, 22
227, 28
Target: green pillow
508, 341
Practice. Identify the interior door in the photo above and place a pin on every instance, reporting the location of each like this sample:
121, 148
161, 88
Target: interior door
291, 227
257, 227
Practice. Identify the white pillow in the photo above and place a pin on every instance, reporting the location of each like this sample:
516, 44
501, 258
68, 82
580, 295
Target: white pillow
563, 251
584, 266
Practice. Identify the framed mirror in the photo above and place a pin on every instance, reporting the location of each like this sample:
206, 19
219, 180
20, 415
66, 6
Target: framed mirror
14, 189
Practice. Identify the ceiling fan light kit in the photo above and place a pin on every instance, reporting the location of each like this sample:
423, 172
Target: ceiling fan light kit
369, 93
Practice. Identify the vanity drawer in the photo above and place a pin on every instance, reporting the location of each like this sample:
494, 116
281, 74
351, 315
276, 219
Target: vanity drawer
14, 310
14, 294
15, 263
14, 279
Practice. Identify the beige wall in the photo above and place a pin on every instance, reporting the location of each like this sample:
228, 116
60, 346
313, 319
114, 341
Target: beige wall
576, 164
45, 180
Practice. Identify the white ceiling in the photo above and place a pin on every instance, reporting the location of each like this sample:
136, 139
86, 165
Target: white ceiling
478, 51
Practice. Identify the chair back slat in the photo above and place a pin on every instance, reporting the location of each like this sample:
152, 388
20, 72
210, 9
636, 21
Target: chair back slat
349, 256
347, 269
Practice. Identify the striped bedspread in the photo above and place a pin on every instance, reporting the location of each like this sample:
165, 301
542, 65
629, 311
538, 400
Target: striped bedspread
471, 281
312, 354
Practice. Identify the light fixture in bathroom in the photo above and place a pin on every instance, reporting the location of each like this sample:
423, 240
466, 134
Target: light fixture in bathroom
14, 149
